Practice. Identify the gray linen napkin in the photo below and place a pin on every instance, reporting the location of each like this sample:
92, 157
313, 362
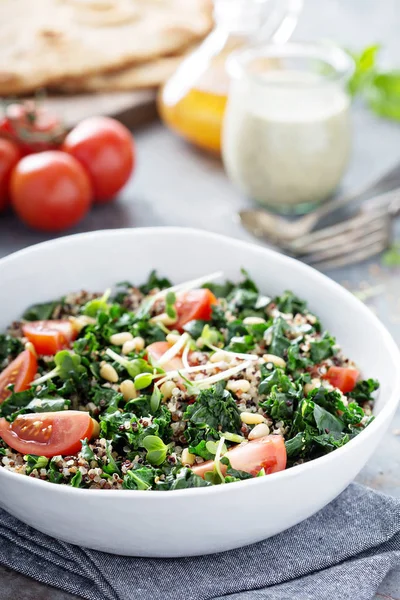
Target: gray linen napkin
343, 552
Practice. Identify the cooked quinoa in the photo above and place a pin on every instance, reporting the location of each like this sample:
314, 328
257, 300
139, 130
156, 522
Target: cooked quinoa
174, 387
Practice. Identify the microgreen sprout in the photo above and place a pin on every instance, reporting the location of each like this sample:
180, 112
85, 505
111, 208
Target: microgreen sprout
170, 309
221, 449
233, 437
68, 365
134, 367
156, 449
143, 380
97, 305
155, 400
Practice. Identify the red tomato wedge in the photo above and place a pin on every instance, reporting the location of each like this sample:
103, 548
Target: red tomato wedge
49, 434
193, 305
267, 453
49, 337
343, 378
157, 350
20, 372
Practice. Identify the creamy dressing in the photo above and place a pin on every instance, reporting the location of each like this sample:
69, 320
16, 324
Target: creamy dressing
286, 138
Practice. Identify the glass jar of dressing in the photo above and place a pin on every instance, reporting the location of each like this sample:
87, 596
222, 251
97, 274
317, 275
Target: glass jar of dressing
192, 102
286, 133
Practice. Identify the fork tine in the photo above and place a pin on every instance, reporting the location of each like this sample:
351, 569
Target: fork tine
345, 259
352, 246
355, 225
340, 241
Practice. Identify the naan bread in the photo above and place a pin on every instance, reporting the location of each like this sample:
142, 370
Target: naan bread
146, 75
45, 42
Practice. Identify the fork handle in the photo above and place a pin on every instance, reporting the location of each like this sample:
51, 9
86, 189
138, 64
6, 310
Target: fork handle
329, 207
388, 202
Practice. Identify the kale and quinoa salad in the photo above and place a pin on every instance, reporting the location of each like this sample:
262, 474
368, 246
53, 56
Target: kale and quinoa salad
168, 387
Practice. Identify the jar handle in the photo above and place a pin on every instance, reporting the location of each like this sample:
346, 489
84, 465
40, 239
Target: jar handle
282, 22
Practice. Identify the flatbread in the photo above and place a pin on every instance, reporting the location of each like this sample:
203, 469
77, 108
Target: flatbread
146, 75
45, 42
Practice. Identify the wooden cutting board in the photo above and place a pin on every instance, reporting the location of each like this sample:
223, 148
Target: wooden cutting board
131, 108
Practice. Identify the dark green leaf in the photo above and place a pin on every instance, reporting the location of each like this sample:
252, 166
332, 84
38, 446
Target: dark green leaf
296, 363
289, 303
40, 312
295, 445
322, 348
111, 466
326, 422
53, 472
9, 347
155, 282
181, 478
15, 402
200, 449
35, 462
215, 408
141, 478
76, 479
86, 452
363, 390
279, 342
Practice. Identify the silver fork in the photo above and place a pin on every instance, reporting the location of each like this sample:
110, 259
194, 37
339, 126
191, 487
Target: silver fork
354, 240
281, 231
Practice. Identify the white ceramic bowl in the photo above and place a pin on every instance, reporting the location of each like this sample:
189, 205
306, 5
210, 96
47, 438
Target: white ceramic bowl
194, 521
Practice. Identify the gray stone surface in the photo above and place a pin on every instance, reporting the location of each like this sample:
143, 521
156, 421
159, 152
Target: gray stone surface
175, 185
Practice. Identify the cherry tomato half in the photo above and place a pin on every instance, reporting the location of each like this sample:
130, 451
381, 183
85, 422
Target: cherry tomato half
50, 191
342, 378
49, 434
20, 372
105, 148
267, 453
194, 305
49, 337
9, 156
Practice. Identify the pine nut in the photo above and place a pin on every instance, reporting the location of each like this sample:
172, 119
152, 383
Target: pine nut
134, 345
166, 390
80, 322
276, 360
314, 383
119, 339
260, 430
108, 373
164, 319
252, 418
238, 385
219, 356
253, 321
200, 342
172, 338
29, 346
128, 390
187, 458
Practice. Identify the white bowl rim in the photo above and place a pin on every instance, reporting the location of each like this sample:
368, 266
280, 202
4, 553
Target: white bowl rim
293, 472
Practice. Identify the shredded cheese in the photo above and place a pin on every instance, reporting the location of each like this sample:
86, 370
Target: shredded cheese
174, 350
223, 375
188, 285
196, 369
185, 355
